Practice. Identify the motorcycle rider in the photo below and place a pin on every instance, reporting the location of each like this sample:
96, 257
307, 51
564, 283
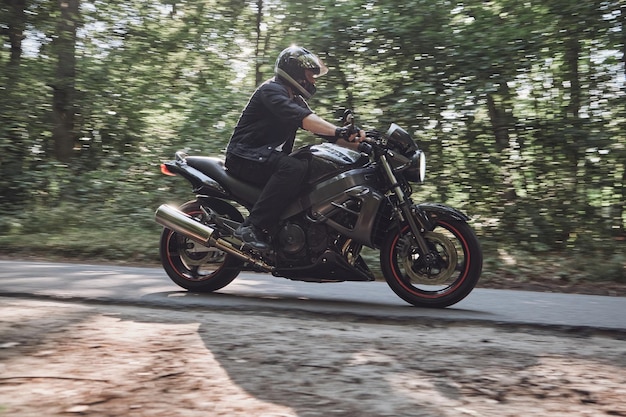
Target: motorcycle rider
259, 148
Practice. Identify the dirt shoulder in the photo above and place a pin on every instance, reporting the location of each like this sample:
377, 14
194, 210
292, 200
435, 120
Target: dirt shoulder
555, 285
63, 359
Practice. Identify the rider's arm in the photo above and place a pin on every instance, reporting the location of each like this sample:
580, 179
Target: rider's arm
315, 124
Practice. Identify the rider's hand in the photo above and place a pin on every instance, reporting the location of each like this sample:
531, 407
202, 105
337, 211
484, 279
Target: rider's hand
357, 137
350, 133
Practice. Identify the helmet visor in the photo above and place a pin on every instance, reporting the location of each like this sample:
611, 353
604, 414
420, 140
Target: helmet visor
312, 62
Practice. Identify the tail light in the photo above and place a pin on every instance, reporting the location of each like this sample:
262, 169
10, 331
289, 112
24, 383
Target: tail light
165, 171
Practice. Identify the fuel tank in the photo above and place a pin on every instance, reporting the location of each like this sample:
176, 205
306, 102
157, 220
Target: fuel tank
328, 159
342, 191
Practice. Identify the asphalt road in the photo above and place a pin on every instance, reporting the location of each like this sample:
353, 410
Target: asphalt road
260, 292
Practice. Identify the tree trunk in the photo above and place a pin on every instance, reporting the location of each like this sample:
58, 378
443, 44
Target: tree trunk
13, 115
15, 31
257, 58
622, 208
63, 100
501, 123
572, 55
572, 142
574, 137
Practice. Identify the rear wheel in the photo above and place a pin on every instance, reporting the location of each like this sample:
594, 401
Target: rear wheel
446, 279
196, 267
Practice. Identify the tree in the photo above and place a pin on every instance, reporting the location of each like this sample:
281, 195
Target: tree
520, 106
12, 114
64, 131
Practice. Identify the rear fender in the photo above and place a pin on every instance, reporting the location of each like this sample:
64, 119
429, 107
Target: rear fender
222, 207
222, 213
201, 183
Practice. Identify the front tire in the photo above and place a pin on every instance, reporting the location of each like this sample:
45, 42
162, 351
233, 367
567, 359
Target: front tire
443, 282
196, 267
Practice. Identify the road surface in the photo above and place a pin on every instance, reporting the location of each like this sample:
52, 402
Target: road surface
152, 287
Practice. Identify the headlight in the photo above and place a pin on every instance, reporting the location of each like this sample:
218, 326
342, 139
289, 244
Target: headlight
417, 171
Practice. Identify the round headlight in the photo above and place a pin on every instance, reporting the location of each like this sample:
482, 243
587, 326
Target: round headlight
417, 169
422, 165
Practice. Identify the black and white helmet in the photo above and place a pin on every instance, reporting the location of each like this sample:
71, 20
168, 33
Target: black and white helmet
292, 64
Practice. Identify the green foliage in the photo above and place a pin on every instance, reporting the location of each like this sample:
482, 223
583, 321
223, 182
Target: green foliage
70, 233
520, 106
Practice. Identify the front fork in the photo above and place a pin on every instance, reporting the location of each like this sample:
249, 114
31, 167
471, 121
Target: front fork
416, 219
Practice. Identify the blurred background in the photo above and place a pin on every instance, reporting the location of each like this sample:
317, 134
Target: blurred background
520, 106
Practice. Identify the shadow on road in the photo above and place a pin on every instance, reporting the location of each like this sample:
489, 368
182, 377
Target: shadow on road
295, 304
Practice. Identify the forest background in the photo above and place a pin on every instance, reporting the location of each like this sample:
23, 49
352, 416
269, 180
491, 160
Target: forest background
520, 106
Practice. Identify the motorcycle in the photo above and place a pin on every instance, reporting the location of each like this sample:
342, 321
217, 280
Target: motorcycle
429, 255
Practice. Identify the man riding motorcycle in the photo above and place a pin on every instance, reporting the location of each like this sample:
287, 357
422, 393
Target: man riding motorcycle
259, 148
322, 204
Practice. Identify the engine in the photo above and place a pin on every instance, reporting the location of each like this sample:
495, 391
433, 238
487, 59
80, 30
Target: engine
292, 239
301, 243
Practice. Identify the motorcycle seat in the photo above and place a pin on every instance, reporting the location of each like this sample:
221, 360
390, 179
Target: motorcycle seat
214, 168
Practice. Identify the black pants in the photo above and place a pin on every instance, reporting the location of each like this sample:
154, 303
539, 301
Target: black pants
281, 177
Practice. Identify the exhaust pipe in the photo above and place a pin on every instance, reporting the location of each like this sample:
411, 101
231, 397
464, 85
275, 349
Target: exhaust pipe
185, 225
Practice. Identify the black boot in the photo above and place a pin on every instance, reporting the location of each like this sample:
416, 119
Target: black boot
251, 237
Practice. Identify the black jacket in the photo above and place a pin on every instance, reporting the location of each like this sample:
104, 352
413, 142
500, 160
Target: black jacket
270, 119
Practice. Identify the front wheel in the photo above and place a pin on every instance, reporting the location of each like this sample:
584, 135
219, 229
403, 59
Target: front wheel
196, 267
447, 278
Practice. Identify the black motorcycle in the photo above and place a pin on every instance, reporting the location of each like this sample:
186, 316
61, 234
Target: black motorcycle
429, 255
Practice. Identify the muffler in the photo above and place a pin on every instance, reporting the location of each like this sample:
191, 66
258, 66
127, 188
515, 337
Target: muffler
183, 224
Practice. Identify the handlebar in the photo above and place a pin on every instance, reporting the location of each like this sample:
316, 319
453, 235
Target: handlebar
366, 147
372, 138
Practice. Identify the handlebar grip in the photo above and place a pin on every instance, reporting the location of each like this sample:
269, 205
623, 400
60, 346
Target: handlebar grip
365, 147
369, 140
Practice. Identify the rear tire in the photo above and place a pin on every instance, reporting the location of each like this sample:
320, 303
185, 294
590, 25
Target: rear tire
442, 283
196, 267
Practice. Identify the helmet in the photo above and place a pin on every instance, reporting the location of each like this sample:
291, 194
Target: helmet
292, 64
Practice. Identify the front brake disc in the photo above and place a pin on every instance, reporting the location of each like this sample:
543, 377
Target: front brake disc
440, 270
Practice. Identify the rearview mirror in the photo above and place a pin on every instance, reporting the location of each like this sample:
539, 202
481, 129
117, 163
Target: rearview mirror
348, 117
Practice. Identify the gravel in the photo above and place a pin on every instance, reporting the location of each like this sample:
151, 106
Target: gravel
72, 359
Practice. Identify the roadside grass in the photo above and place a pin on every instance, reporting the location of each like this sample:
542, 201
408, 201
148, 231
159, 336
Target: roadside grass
119, 244
67, 233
